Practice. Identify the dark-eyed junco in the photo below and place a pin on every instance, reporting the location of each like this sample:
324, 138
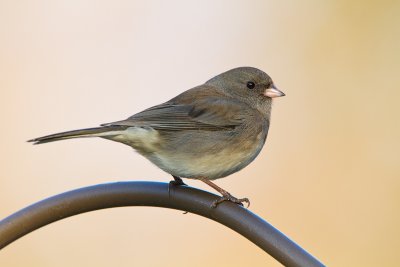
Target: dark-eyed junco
205, 133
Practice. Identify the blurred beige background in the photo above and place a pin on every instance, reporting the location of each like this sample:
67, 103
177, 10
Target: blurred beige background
328, 176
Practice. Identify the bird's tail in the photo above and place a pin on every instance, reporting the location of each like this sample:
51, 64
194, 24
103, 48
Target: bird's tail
105, 131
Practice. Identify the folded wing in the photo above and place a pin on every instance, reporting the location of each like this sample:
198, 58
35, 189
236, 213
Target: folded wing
211, 114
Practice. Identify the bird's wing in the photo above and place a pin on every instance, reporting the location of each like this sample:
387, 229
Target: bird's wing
205, 114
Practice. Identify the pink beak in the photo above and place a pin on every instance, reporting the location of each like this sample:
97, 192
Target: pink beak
273, 92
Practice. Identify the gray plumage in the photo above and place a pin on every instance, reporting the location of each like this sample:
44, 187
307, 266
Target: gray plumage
207, 132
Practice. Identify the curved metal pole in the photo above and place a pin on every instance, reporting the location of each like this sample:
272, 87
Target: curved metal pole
155, 194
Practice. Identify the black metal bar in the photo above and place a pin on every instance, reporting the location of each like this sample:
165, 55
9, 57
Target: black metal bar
155, 194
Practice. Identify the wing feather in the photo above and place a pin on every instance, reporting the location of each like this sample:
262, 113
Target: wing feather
210, 114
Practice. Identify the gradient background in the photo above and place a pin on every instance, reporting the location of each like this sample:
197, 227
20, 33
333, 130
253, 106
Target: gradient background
328, 176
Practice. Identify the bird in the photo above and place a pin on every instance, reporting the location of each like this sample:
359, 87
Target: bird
207, 132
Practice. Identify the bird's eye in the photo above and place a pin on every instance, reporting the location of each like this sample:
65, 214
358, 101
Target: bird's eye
251, 85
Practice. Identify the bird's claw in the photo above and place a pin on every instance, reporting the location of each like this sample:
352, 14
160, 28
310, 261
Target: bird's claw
177, 183
231, 198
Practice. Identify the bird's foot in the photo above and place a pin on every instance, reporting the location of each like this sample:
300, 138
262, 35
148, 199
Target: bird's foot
177, 181
229, 197
226, 196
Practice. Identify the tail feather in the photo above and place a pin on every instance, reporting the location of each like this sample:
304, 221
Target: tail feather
89, 132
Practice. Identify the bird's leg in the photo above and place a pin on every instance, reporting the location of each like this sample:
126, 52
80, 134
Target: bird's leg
177, 181
226, 196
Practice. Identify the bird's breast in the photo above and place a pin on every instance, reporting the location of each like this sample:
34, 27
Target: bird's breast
209, 155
